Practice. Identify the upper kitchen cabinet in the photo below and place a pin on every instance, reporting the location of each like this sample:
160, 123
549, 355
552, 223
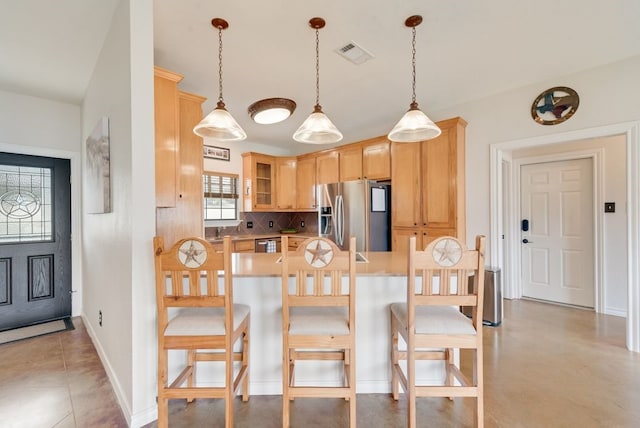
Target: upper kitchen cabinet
167, 136
327, 170
259, 182
306, 183
350, 163
286, 183
179, 160
376, 159
428, 197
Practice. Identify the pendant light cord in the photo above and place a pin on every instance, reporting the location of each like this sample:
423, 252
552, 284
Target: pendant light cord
413, 65
317, 67
220, 63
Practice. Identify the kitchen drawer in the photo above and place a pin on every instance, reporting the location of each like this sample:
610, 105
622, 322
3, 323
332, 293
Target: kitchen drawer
294, 243
244, 246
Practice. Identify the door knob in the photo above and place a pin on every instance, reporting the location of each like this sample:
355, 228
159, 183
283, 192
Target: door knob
526, 241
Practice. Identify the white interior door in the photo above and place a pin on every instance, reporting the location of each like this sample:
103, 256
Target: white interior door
558, 248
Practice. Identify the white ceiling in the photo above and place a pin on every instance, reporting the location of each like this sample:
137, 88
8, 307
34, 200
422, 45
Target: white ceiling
466, 50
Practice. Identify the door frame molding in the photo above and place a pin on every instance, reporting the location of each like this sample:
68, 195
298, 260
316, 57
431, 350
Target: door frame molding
76, 242
631, 132
514, 210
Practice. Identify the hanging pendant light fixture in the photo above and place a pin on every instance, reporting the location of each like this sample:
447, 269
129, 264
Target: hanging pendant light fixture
317, 129
415, 125
219, 124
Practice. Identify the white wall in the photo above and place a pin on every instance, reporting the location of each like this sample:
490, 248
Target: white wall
142, 212
55, 134
234, 165
117, 259
608, 100
608, 95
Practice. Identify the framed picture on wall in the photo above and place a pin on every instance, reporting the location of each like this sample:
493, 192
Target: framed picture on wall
98, 195
213, 152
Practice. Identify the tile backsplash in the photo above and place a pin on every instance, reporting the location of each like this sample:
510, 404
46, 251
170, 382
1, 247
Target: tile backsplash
281, 220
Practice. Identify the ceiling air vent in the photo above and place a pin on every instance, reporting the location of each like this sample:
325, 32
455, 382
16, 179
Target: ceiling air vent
354, 53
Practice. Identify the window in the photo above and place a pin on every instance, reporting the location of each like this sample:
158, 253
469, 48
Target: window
25, 204
220, 196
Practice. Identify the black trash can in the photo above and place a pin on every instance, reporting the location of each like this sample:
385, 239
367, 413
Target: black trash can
492, 308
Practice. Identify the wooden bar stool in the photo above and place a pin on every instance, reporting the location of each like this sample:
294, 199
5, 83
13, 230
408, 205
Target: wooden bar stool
318, 317
195, 314
432, 326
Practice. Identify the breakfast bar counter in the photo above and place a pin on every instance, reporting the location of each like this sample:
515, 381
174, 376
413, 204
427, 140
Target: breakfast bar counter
379, 282
266, 264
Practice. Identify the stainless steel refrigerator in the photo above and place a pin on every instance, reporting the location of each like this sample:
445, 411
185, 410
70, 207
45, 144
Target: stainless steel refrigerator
359, 208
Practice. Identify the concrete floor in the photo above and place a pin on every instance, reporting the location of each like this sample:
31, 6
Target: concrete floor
545, 366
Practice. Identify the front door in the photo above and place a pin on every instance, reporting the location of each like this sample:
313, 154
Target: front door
35, 240
558, 247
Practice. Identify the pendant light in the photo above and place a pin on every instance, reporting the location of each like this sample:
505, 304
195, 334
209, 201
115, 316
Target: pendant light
414, 126
317, 129
219, 124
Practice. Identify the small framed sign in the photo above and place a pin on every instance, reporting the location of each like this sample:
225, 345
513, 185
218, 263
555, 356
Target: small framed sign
220, 153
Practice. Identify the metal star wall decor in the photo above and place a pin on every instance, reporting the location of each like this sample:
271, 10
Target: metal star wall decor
192, 254
320, 255
447, 252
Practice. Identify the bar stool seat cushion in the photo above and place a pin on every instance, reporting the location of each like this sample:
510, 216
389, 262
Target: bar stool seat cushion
436, 319
204, 321
319, 321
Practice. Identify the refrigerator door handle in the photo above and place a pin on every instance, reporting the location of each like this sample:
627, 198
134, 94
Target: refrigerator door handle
336, 223
340, 220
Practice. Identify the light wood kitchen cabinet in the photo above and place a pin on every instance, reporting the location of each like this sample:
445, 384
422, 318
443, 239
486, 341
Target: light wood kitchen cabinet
285, 183
327, 170
185, 218
167, 140
400, 237
376, 159
350, 163
306, 183
259, 182
428, 197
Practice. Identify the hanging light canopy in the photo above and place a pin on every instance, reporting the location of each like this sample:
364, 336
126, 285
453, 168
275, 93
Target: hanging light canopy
317, 129
219, 124
415, 125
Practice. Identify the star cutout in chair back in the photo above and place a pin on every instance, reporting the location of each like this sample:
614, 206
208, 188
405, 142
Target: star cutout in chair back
320, 255
447, 252
192, 253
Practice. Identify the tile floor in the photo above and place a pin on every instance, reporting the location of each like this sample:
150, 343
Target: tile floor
545, 366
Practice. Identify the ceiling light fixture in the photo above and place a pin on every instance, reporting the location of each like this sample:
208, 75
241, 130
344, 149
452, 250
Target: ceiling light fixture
415, 125
219, 124
271, 110
317, 129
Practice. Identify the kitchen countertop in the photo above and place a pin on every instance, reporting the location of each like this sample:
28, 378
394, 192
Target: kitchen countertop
384, 263
263, 236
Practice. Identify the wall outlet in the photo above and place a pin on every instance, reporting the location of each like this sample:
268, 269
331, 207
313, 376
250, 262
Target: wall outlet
270, 223
100, 318
249, 225
302, 223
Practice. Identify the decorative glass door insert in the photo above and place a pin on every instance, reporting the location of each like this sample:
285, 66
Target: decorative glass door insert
25, 204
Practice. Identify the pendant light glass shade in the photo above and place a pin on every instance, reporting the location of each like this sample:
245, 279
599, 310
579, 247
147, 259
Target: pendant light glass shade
318, 128
219, 124
414, 126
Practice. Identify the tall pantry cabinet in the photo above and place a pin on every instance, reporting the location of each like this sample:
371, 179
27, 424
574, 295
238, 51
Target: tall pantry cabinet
178, 159
428, 196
